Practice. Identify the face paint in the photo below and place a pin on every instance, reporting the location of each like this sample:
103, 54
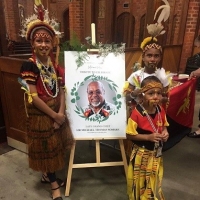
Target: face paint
42, 43
152, 97
42, 34
151, 58
152, 65
151, 86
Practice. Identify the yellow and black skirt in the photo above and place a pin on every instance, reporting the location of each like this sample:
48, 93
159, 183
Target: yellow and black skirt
145, 173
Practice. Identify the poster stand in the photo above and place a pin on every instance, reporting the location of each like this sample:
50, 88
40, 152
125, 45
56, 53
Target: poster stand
98, 162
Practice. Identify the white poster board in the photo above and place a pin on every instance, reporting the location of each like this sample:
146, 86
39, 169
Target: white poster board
80, 69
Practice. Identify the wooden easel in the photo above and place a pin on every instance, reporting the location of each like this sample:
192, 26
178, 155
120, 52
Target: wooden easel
98, 162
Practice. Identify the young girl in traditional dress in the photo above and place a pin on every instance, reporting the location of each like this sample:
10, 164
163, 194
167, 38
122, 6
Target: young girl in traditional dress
147, 130
48, 129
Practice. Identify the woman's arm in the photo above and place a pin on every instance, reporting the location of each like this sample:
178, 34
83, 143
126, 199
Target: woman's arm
195, 73
41, 105
62, 101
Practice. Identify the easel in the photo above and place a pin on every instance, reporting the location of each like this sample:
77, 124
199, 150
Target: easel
98, 162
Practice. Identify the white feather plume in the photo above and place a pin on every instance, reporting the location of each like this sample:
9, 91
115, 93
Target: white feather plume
164, 15
163, 76
157, 28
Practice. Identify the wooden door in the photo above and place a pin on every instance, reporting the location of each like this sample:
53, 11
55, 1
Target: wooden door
12, 102
125, 29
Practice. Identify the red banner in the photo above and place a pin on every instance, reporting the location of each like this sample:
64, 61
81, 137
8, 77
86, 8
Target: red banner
182, 101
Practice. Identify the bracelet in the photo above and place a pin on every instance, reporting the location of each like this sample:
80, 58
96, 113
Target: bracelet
133, 97
64, 88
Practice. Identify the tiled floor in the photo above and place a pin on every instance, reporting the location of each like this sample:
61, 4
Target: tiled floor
180, 182
4, 148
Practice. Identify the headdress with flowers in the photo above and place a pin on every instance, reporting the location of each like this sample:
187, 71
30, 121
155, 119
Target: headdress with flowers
39, 20
48, 74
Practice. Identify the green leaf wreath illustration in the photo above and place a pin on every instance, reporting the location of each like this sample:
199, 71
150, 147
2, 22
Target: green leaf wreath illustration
75, 97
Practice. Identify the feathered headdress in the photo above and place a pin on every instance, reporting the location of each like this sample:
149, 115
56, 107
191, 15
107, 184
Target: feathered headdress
39, 20
157, 28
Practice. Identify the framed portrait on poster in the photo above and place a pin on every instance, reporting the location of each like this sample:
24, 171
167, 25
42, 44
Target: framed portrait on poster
93, 80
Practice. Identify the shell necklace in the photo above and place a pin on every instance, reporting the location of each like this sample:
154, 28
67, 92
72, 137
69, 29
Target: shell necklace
48, 77
158, 130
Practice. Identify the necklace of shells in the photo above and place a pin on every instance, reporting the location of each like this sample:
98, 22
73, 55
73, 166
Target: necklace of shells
48, 77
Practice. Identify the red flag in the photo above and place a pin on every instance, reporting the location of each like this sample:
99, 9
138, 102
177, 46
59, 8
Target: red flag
182, 100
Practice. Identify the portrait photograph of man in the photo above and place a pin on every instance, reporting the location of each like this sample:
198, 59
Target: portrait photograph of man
97, 104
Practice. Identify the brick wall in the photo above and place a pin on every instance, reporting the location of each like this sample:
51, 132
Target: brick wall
176, 32
12, 19
76, 18
191, 26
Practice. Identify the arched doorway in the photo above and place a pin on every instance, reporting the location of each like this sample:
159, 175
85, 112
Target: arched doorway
125, 29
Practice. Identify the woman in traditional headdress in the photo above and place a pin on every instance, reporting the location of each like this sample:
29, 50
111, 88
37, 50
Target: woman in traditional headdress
48, 129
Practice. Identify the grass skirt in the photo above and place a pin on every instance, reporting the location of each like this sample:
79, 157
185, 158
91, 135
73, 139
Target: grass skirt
47, 146
145, 173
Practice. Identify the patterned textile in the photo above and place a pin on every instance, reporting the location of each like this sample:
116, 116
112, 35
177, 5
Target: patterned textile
139, 124
145, 173
46, 146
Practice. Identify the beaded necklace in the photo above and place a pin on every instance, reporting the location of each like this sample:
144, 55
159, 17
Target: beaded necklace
156, 130
48, 77
157, 144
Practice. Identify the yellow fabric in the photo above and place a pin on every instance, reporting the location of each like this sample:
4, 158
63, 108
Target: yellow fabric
30, 95
136, 82
30, 99
131, 127
126, 87
145, 178
38, 2
166, 122
130, 182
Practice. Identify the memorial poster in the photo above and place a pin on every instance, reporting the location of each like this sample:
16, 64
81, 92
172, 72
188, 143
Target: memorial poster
83, 72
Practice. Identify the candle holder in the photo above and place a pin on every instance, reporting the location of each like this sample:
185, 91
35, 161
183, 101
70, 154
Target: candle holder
93, 51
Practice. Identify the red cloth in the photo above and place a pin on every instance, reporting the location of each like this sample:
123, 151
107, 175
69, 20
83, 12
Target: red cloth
182, 101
